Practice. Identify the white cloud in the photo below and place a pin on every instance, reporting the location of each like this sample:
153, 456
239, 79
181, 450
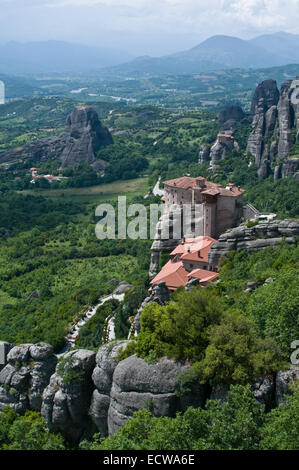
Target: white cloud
165, 20
230, 15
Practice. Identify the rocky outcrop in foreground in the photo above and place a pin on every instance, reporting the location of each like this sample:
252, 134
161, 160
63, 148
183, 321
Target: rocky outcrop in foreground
83, 136
102, 378
66, 400
26, 375
86, 394
137, 384
252, 239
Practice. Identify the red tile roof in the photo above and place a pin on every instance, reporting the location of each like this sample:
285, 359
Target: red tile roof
203, 275
185, 182
206, 187
188, 250
173, 274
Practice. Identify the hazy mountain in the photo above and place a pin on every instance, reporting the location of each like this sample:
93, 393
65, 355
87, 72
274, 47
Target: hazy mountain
216, 53
56, 56
219, 53
285, 45
228, 52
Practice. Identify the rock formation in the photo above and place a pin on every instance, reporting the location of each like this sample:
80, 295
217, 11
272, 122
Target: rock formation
283, 381
122, 288
252, 239
24, 378
286, 120
137, 384
289, 168
5, 347
263, 389
204, 154
85, 394
66, 400
224, 143
230, 116
274, 117
83, 136
264, 115
102, 378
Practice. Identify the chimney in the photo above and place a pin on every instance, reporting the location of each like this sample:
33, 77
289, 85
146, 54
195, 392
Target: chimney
200, 182
229, 186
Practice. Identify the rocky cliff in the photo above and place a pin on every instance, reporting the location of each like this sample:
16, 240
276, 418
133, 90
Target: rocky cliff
252, 239
230, 116
66, 400
83, 136
83, 394
218, 151
275, 118
102, 378
228, 119
26, 375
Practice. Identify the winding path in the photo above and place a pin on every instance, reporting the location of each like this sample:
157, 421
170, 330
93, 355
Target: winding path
74, 333
157, 191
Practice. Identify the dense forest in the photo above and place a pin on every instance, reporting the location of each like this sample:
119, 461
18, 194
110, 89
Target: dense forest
52, 249
53, 268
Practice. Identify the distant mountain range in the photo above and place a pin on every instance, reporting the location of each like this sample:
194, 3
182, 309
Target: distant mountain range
56, 57
220, 53
216, 53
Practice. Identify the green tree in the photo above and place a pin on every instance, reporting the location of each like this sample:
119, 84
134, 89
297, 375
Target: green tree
179, 330
275, 309
281, 429
27, 432
236, 354
235, 425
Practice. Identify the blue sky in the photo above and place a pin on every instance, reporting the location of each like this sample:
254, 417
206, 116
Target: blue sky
152, 27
